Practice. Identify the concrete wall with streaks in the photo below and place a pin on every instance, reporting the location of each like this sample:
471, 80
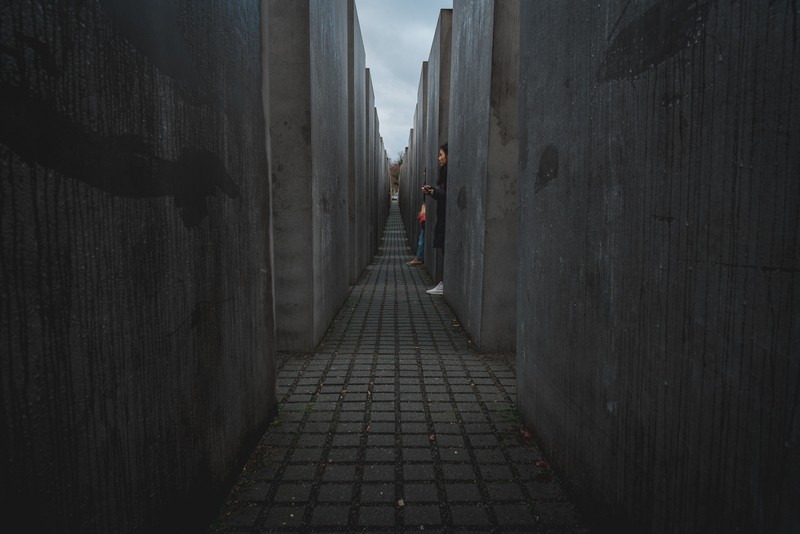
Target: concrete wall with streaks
658, 353
309, 131
357, 154
480, 269
136, 322
437, 124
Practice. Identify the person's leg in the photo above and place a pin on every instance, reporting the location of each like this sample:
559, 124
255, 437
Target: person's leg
421, 245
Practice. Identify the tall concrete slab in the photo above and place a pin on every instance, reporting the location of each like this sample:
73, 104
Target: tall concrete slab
371, 165
437, 125
409, 196
480, 271
418, 168
375, 185
357, 165
309, 127
136, 324
659, 304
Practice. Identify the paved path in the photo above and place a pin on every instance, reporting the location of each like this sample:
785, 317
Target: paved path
395, 424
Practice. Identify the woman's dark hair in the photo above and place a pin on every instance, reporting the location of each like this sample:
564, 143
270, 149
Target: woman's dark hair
443, 169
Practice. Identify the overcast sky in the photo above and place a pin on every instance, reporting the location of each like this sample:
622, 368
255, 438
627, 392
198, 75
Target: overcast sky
397, 38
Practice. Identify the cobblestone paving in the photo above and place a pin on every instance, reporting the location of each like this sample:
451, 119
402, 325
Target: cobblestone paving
395, 424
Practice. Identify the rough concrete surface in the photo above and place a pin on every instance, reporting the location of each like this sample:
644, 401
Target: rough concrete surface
371, 165
357, 166
658, 355
480, 269
136, 325
418, 164
309, 127
437, 124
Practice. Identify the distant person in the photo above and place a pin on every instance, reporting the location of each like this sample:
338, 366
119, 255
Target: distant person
439, 194
420, 256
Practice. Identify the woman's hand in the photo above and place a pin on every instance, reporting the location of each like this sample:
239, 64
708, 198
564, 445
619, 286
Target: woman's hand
426, 189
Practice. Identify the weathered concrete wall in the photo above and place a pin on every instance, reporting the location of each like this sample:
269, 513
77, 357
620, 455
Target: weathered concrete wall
418, 157
309, 127
136, 324
408, 196
408, 208
437, 126
480, 270
357, 167
658, 354
369, 192
376, 173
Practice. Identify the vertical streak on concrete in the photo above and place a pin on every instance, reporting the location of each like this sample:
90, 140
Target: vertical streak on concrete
659, 293
481, 244
357, 165
437, 125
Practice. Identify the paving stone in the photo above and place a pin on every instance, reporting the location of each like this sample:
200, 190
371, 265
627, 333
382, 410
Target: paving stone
256, 492
375, 493
380, 455
422, 515
462, 492
454, 455
372, 516
300, 472
496, 472
469, 515
380, 440
414, 428
336, 516
335, 493
346, 440
445, 440
418, 472
505, 491
381, 428
413, 492
416, 440
280, 516
339, 473
458, 472
307, 455
293, 493
379, 473
417, 455
343, 455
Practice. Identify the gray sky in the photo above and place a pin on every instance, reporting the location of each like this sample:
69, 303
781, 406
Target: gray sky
397, 38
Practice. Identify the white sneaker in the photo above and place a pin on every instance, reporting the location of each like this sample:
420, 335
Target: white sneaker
438, 290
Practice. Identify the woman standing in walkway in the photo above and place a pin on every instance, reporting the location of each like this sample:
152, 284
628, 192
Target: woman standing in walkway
440, 196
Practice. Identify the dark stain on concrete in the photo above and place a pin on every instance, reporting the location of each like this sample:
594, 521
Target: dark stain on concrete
548, 168
151, 26
461, 199
123, 165
658, 34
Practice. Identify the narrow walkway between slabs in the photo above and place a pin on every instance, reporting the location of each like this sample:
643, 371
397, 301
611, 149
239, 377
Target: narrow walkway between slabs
395, 424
